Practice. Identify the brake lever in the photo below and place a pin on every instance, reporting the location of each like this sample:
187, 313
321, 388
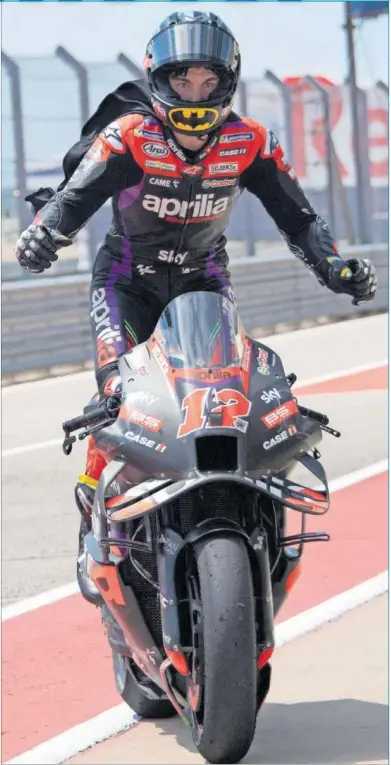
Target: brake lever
89, 431
67, 444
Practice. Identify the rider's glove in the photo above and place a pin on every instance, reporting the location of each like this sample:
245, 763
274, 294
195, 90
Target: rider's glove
36, 248
112, 393
113, 386
355, 277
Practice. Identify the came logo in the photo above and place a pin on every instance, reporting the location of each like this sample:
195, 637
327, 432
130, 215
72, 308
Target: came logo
164, 182
155, 150
204, 206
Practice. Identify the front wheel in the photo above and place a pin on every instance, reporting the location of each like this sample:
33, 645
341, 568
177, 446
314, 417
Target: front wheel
225, 715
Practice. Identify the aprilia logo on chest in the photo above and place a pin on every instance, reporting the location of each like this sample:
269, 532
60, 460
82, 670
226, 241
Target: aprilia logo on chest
203, 206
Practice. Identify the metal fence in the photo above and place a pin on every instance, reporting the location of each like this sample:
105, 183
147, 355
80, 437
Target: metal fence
268, 294
310, 116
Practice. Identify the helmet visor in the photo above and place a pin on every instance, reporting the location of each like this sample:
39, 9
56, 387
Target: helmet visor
195, 43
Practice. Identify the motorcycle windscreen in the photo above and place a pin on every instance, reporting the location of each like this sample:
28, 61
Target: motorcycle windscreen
200, 330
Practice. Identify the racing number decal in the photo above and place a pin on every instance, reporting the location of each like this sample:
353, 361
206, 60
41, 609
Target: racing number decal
193, 404
231, 404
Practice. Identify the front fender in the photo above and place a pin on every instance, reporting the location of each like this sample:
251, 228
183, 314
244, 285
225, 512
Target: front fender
213, 527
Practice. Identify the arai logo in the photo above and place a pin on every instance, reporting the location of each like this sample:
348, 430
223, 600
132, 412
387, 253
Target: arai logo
155, 150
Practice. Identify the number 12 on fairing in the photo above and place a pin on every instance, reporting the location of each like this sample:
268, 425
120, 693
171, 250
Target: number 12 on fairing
231, 404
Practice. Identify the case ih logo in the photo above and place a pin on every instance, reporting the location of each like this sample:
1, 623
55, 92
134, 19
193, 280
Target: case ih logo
280, 414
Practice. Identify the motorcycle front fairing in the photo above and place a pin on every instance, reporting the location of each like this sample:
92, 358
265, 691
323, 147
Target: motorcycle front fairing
198, 376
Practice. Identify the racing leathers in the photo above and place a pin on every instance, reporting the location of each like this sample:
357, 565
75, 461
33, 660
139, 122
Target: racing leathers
170, 210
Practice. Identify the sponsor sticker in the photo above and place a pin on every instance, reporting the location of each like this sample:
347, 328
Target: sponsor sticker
232, 152
210, 374
159, 109
203, 206
130, 435
263, 367
142, 133
236, 137
170, 256
176, 150
214, 183
270, 395
157, 165
279, 438
246, 358
160, 358
166, 183
112, 134
223, 167
145, 420
145, 269
155, 149
192, 170
280, 414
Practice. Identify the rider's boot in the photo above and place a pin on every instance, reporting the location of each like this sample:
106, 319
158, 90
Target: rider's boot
85, 495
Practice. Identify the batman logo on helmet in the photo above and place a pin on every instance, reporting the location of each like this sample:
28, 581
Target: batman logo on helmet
193, 119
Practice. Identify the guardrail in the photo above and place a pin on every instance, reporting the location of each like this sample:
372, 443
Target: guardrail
45, 322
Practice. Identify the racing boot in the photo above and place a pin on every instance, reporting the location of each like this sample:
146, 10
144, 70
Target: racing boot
85, 495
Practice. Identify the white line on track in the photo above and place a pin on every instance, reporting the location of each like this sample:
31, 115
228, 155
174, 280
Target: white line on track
31, 447
66, 590
48, 381
15, 451
37, 601
119, 718
340, 374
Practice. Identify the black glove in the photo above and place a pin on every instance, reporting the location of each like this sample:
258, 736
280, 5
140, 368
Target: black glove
112, 394
355, 277
36, 248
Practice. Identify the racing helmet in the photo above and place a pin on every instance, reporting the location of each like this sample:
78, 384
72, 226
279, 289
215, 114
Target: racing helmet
183, 40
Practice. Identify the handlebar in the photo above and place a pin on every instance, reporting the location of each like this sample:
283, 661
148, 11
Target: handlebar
101, 416
322, 419
83, 420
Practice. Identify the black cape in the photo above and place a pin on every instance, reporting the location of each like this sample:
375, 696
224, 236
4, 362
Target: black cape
128, 98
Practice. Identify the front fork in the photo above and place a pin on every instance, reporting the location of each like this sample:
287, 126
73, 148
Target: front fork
122, 603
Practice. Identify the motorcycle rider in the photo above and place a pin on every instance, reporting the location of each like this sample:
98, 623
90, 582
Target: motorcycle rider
174, 157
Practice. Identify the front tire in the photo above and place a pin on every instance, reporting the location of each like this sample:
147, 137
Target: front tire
224, 729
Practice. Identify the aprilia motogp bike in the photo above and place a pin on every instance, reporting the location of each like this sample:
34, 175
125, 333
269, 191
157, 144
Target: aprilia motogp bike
188, 546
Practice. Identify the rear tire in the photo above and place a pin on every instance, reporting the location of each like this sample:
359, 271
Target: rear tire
135, 695
226, 730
